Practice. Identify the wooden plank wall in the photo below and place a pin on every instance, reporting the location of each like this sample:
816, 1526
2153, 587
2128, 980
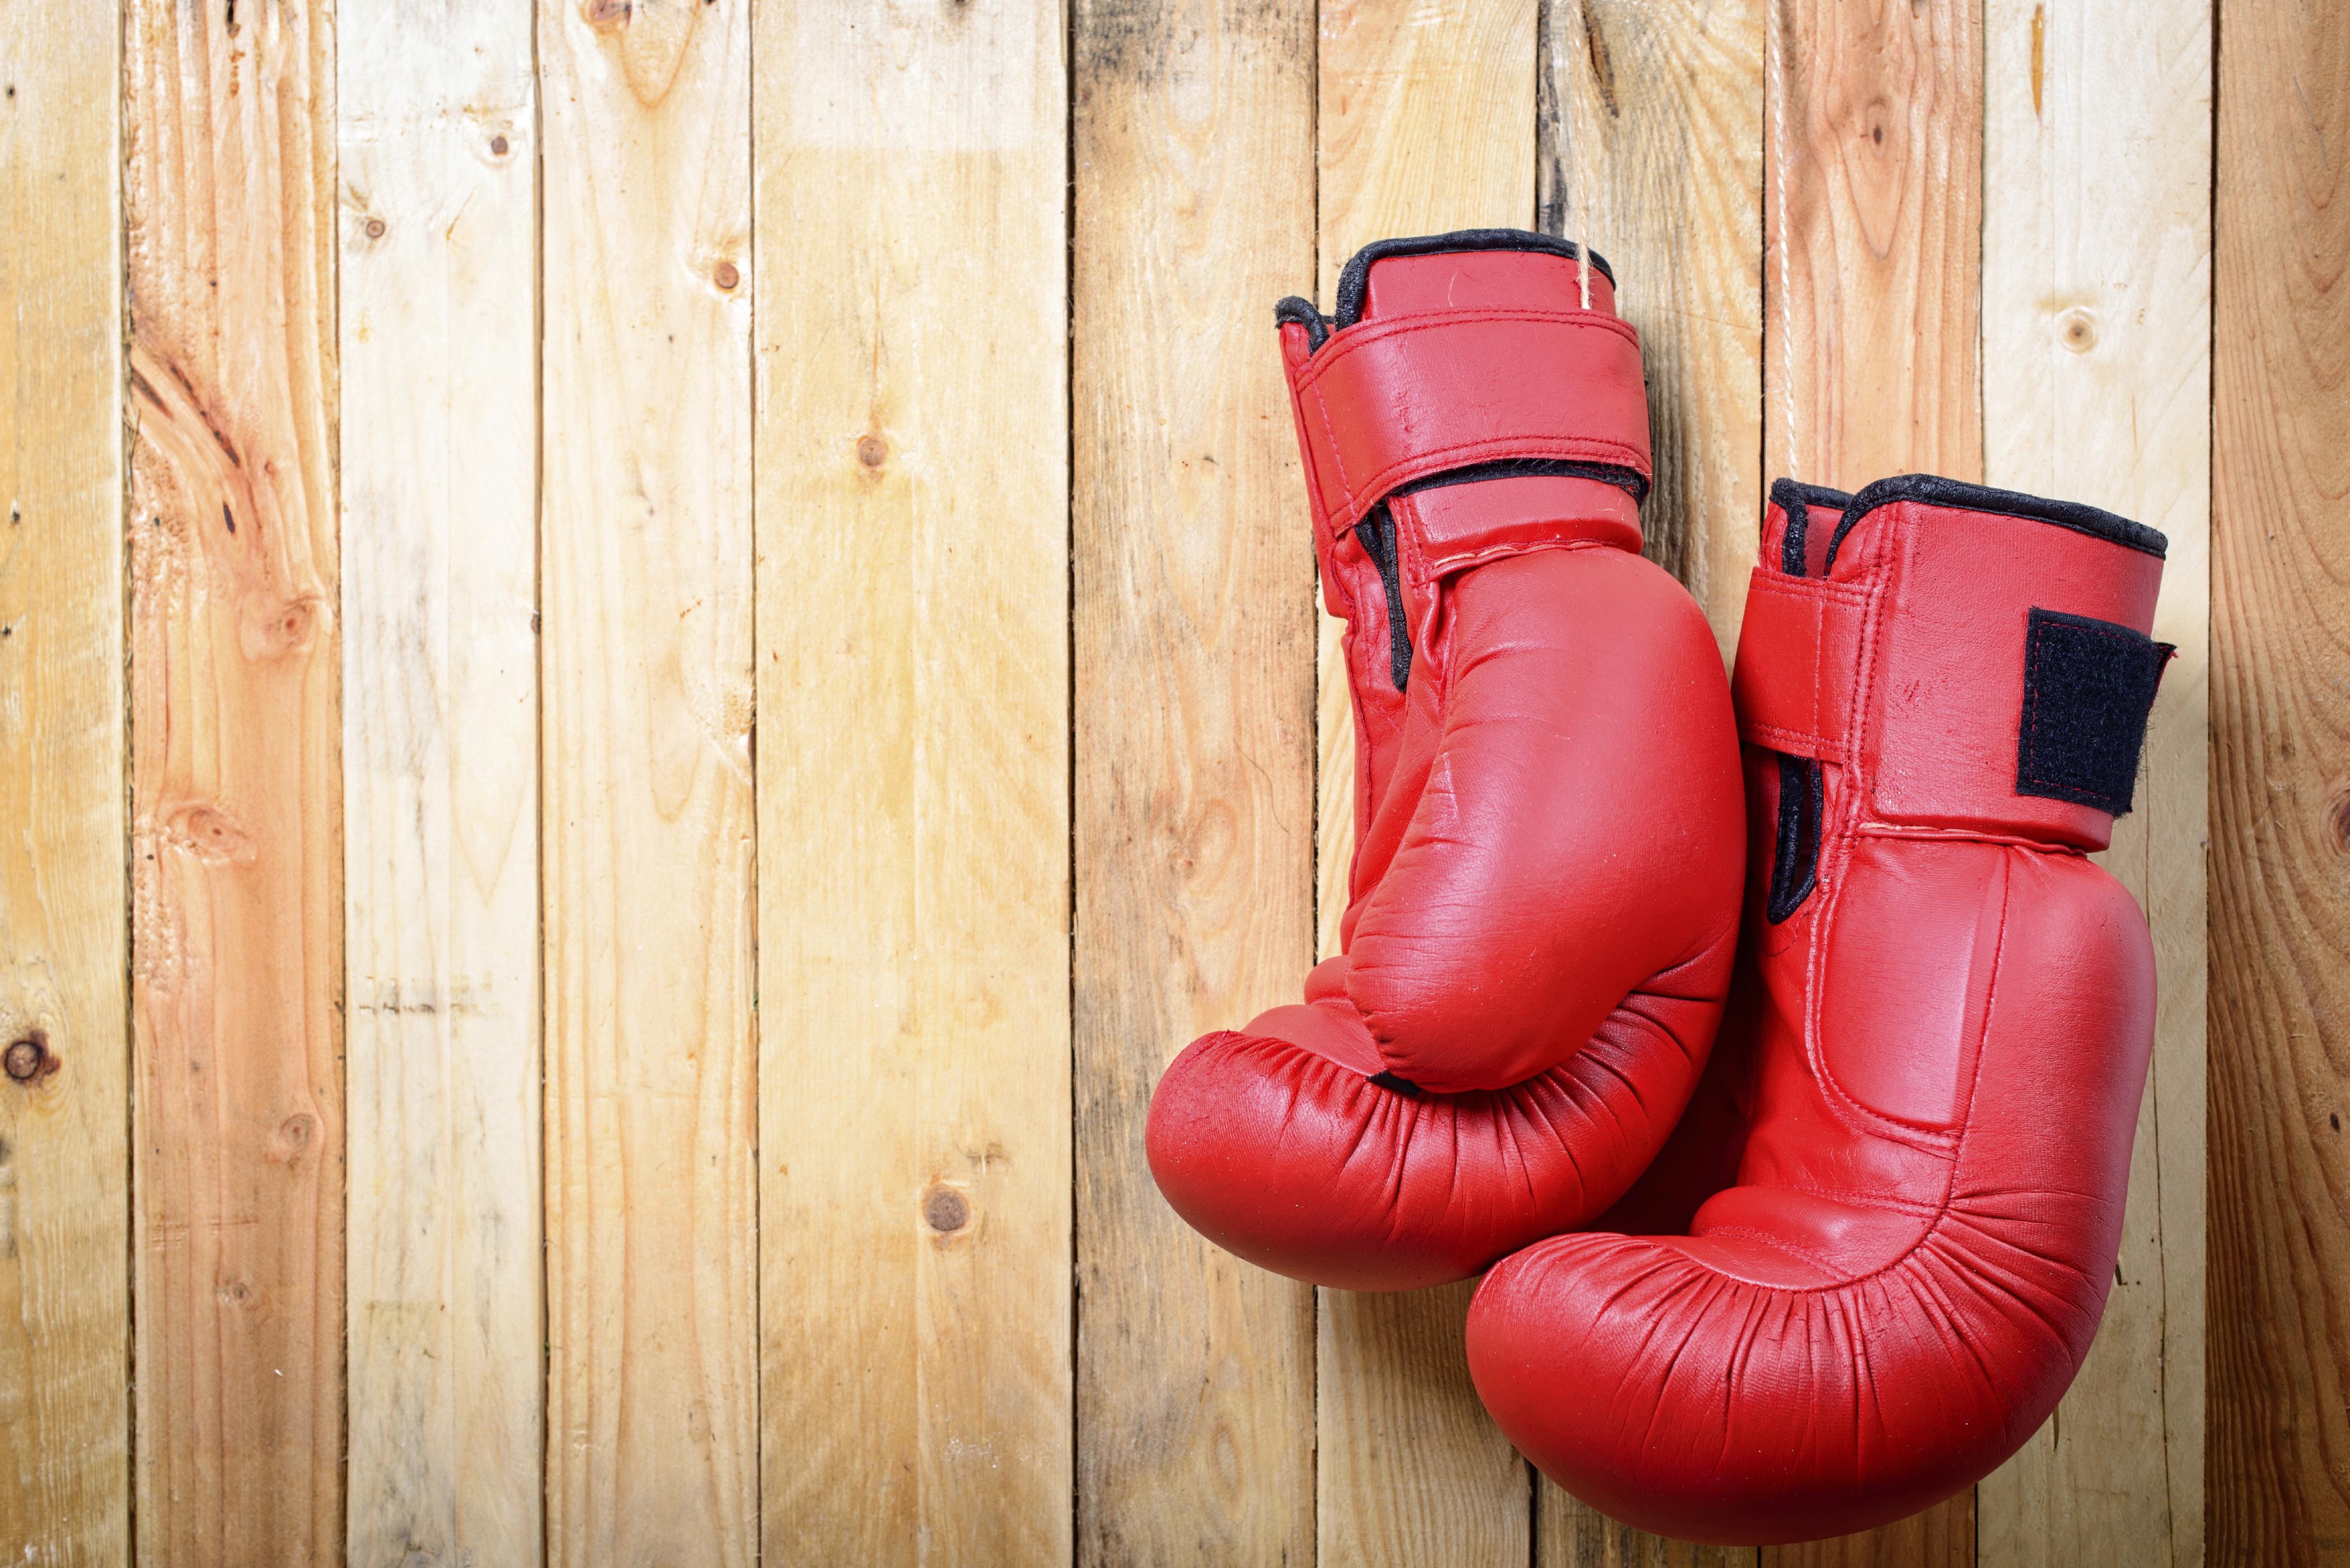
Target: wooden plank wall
2097, 307
1192, 161
65, 1220
235, 677
2280, 799
645, 584
680, 637
913, 669
437, 148
1873, 223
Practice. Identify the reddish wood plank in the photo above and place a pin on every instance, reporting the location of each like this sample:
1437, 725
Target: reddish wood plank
236, 913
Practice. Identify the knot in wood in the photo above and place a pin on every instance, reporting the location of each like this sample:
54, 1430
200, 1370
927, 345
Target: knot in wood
945, 1211
27, 1058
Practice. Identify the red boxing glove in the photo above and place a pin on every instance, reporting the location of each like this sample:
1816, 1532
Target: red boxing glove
1545, 891
1935, 1045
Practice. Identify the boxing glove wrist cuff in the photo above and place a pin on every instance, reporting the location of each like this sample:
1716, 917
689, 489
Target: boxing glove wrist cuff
1963, 691
1387, 403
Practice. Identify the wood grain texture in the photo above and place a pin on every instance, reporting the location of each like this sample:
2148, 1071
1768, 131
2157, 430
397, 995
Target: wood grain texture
1872, 264
1413, 1470
1650, 151
1651, 119
1194, 628
65, 1152
2097, 334
1872, 220
2279, 1171
438, 261
1942, 1537
1427, 123
236, 896
914, 772
645, 552
1570, 1533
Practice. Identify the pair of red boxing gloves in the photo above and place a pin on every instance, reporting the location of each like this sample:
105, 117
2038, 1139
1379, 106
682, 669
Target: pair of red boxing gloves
1771, 1043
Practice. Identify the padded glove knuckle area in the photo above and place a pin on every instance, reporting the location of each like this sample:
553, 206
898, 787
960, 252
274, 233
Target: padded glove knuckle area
1288, 1155
1935, 1057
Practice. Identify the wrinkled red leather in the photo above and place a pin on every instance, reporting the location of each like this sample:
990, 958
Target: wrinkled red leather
1933, 1067
1544, 894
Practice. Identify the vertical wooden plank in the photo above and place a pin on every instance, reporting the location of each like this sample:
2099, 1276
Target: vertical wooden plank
2096, 333
1412, 1470
1194, 692
913, 683
1427, 123
437, 149
1872, 226
1652, 152
65, 1155
645, 550
236, 913
1942, 1537
2279, 1013
1873, 223
1569, 1533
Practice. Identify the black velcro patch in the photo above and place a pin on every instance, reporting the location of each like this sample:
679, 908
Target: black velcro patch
2089, 685
1795, 852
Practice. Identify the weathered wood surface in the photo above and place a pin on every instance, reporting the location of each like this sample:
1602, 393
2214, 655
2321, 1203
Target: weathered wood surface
2096, 315
2280, 802
645, 576
914, 784
1194, 628
1872, 261
65, 1152
1426, 120
236, 898
1872, 223
438, 245
982, 477
1651, 153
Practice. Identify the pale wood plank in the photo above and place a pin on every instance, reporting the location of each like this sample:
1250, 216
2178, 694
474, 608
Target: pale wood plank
2280, 1007
437, 151
913, 683
1194, 692
1413, 1471
1873, 218
64, 1154
1651, 153
645, 550
1872, 261
1427, 123
236, 898
2096, 333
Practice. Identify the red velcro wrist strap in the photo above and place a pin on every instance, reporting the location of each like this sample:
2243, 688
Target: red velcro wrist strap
1798, 663
1388, 402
